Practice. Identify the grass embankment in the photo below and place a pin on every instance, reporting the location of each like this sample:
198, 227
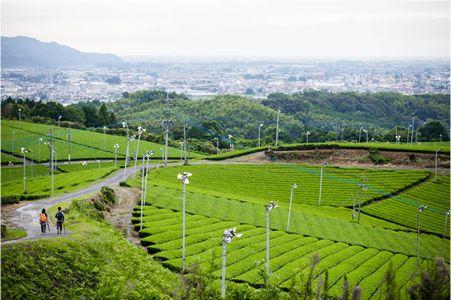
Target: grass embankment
6, 158
424, 147
94, 262
84, 144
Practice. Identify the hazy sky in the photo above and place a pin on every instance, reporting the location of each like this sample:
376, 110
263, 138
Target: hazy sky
237, 27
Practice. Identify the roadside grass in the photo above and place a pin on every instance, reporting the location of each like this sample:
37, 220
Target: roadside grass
94, 262
16, 172
14, 234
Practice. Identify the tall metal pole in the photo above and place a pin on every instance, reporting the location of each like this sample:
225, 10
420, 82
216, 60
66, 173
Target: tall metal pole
420, 210
20, 110
259, 134
184, 142
223, 273
361, 186
31, 163
12, 142
413, 129
360, 133
10, 164
24, 172
183, 227
68, 144
39, 149
104, 137
51, 166
294, 186
166, 138
436, 164
267, 247
126, 150
444, 231
140, 131
142, 195
366, 136
320, 185
277, 128
408, 132
217, 145
149, 154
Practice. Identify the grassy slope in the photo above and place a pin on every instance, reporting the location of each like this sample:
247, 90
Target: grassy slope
6, 158
63, 182
85, 144
95, 261
433, 194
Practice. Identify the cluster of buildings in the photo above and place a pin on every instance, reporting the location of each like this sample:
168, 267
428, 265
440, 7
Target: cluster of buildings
205, 79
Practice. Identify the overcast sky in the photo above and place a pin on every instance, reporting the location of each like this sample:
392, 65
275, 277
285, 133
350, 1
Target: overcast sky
276, 28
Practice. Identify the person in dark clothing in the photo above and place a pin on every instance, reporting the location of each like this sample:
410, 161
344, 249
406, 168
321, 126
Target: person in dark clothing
43, 219
59, 221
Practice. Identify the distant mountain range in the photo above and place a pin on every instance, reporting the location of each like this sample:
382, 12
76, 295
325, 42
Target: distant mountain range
22, 51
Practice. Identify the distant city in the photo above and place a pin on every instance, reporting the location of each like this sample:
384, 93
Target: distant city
205, 79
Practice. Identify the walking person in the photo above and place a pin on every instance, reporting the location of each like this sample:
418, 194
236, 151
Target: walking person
43, 219
59, 221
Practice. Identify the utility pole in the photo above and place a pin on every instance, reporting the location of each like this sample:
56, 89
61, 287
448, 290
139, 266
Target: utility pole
420, 210
24, 151
293, 187
140, 132
104, 137
413, 129
116, 146
436, 164
259, 134
229, 235
269, 207
361, 186
184, 179
217, 145
68, 143
277, 128
321, 183
20, 110
185, 143
125, 125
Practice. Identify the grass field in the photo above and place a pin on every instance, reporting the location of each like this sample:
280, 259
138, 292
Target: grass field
16, 172
273, 182
291, 254
84, 144
402, 209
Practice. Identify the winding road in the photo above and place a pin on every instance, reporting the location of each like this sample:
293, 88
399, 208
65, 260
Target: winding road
27, 216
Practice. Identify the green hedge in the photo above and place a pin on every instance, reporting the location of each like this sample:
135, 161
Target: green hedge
236, 153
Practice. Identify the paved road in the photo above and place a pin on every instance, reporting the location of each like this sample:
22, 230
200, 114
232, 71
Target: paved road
27, 216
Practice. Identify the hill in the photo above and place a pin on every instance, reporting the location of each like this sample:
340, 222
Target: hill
321, 113
23, 51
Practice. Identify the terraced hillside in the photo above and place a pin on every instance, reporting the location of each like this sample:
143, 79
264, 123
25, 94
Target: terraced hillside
84, 144
291, 254
402, 209
264, 182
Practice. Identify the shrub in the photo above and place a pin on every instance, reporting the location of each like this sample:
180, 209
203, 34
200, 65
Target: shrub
124, 184
10, 199
108, 195
377, 158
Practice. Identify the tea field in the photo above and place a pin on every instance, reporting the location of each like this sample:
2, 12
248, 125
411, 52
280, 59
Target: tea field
402, 209
84, 144
291, 254
266, 182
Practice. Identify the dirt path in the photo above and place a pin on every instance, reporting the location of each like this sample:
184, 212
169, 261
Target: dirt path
121, 214
26, 216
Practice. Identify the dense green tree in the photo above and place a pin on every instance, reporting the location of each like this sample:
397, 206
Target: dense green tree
433, 131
